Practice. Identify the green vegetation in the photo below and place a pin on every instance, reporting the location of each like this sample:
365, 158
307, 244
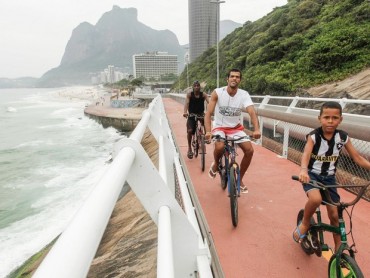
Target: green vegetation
299, 45
28, 268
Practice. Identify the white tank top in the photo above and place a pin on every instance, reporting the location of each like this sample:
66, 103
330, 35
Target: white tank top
228, 109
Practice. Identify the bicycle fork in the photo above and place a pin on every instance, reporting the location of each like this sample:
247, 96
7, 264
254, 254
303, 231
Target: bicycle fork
237, 171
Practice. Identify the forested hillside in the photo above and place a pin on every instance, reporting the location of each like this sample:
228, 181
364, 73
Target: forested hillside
299, 45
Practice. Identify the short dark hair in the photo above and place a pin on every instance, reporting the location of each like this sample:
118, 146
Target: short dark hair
331, 104
196, 82
234, 70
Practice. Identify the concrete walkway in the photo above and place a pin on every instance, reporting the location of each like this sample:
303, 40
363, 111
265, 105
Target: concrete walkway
262, 244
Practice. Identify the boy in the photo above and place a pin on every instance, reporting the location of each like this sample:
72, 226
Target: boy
319, 161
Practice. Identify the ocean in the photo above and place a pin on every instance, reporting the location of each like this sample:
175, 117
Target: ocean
51, 157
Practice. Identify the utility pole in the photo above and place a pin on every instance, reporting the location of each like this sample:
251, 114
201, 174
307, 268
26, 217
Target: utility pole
218, 2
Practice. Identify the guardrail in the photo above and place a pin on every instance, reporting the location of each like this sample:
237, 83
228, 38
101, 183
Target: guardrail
182, 250
285, 121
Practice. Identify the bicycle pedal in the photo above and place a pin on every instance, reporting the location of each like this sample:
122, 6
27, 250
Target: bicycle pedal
314, 244
312, 241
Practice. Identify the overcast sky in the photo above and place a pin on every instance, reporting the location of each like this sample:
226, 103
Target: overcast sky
34, 33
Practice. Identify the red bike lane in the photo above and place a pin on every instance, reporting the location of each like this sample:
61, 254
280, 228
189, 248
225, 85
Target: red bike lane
262, 245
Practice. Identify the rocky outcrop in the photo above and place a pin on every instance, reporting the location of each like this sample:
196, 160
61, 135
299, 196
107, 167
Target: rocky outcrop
356, 86
112, 41
129, 244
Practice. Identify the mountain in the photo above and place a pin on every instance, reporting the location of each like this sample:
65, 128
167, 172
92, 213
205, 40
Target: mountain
227, 26
300, 45
112, 41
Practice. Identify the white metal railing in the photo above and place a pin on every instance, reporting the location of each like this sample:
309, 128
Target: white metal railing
285, 121
182, 252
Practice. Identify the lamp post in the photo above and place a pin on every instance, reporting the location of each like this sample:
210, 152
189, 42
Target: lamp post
218, 2
187, 66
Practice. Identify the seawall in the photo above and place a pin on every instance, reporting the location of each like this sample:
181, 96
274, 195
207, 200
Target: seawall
123, 119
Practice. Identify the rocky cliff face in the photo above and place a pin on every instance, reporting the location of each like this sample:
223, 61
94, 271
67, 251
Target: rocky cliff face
112, 41
129, 244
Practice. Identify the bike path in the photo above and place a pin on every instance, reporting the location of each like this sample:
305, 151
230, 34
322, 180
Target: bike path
262, 245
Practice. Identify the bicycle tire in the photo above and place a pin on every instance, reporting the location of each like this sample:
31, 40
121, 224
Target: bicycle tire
305, 245
233, 191
202, 153
223, 175
349, 267
196, 145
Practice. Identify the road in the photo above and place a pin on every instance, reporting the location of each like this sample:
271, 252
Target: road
262, 244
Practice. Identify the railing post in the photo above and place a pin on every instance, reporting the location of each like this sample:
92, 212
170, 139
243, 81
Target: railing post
165, 266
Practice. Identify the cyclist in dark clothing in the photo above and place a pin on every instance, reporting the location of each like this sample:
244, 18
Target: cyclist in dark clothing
194, 104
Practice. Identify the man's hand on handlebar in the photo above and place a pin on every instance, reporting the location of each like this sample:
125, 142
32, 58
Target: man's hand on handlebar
256, 134
208, 137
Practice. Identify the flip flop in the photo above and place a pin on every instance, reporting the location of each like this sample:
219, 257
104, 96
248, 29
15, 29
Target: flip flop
300, 236
211, 173
190, 154
243, 189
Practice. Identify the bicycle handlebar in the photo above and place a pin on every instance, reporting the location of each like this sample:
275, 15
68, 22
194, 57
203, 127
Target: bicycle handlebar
323, 187
196, 115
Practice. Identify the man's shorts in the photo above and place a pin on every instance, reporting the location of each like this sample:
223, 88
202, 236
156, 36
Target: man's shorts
191, 124
232, 134
326, 180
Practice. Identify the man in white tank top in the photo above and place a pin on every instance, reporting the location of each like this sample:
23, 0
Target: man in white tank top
227, 104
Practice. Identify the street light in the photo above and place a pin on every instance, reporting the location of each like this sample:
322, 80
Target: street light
218, 2
187, 65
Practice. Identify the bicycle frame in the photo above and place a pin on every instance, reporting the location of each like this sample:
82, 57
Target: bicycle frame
229, 155
199, 128
319, 228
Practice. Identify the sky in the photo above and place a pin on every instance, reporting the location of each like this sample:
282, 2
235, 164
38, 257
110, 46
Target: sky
34, 33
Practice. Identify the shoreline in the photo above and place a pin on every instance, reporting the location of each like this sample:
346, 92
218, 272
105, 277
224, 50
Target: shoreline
126, 205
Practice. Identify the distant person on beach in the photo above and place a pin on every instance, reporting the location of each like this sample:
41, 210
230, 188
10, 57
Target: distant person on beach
227, 104
194, 104
319, 162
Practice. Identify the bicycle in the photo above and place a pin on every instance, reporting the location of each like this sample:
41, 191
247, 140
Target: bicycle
197, 141
341, 264
229, 172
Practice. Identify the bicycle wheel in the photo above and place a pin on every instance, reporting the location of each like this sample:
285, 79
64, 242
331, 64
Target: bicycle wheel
202, 153
196, 144
233, 194
348, 267
305, 244
223, 175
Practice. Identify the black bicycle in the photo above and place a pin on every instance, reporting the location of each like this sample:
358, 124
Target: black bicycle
342, 263
197, 141
229, 172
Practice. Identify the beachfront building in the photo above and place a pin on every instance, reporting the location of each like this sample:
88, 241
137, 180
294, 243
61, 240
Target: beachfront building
203, 16
153, 65
111, 74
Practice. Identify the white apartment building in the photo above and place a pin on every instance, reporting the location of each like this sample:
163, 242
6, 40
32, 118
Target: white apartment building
154, 64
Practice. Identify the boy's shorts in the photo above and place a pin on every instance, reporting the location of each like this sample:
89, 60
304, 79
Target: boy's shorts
326, 180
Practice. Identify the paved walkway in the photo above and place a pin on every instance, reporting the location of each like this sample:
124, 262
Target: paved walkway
262, 244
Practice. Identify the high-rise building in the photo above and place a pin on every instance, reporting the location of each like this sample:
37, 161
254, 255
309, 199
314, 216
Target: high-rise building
203, 17
154, 64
